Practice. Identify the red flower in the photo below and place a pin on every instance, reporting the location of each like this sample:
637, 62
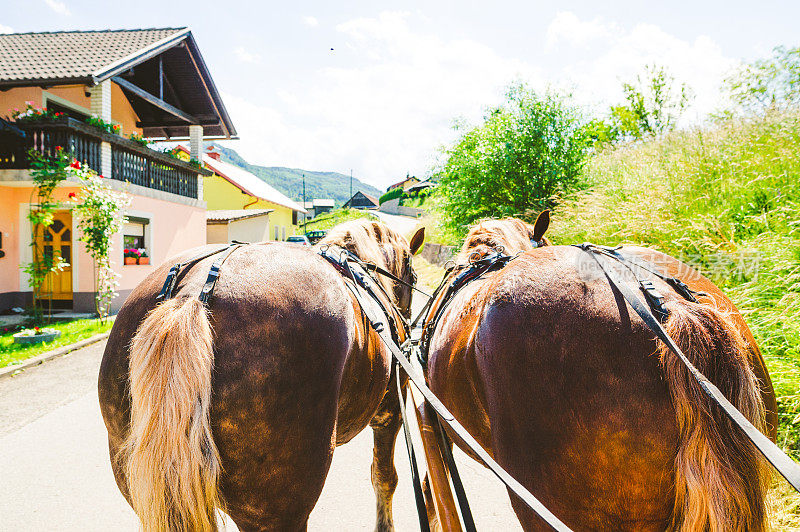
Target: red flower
101, 176
71, 195
76, 164
59, 148
36, 329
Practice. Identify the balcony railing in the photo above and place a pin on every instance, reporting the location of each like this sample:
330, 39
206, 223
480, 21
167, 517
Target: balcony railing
130, 161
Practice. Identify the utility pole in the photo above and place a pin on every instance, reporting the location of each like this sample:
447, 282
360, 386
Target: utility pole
304, 203
351, 184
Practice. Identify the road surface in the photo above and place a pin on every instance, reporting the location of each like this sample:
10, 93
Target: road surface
55, 473
402, 224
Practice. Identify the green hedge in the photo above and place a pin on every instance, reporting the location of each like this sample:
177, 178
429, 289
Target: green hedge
392, 194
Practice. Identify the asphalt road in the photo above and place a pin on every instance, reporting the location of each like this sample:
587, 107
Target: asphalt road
55, 474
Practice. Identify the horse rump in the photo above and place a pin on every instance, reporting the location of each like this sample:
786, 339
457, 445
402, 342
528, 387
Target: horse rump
721, 479
170, 461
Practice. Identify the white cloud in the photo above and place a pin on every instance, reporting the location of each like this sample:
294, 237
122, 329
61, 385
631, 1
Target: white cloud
311, 21
623, 53
244, 56
391, 107
6, 29
58, 6
383, 117
567, 27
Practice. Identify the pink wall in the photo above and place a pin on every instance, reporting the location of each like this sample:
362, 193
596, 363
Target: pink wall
174, 227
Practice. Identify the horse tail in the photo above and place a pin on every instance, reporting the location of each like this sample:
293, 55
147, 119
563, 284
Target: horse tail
171, 462
720, 477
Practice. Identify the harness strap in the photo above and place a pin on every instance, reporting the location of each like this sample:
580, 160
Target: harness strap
172, 277
419, 498
213, 273
787, 467
445, 415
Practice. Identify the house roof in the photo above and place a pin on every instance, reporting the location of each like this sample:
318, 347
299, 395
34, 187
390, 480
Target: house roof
403, 182
138, 58
225, 216
73, 55
323, 203
370, 198
247, 182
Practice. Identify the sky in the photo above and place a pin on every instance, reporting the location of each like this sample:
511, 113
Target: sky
376, 86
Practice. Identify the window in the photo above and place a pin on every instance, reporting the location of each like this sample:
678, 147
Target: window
283, 231
276, 232
135, 235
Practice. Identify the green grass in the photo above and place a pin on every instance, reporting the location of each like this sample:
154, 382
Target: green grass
71, 332
333, 218
428, 275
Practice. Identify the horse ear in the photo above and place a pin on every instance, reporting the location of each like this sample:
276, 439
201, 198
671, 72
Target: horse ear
541, 225
417, 240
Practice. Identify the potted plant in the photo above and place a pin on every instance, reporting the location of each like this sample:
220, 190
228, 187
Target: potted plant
36, 335
131, 256
143, 257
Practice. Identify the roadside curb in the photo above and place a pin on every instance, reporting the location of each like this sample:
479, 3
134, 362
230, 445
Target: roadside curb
10, 371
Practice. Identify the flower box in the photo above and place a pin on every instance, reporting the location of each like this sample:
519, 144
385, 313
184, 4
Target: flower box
144, 260
30, 336
130, 260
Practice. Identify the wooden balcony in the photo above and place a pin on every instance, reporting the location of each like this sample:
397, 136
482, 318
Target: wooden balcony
130, 162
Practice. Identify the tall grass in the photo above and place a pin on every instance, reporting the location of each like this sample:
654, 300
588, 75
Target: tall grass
725, 199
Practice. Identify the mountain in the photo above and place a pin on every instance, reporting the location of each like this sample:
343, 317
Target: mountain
323, 185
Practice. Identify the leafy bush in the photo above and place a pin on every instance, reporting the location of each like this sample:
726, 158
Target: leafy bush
524, 155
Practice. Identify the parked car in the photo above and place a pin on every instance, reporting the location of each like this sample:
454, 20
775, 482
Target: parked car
298, 239
316, 236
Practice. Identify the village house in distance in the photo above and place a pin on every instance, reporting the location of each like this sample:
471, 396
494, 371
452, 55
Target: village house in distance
150, 83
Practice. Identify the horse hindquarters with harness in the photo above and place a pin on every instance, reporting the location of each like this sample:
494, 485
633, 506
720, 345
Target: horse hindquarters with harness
365, 289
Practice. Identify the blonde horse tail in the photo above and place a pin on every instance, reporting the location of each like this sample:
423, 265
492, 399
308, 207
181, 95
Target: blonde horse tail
720, 477
171, 463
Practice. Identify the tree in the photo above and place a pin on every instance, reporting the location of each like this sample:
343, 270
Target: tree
654, 103
524, 155
767, 83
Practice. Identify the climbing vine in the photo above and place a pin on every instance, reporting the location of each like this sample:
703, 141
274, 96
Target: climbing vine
100, 217
47, 172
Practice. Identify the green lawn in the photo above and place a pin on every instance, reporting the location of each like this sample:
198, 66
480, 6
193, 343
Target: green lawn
71, 332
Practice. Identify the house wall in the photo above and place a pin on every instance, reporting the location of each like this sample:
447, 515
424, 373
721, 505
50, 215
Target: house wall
254, 229
220, 194
217, 234
173, 228
121, 110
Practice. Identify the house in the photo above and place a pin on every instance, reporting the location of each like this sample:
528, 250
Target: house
419, 187
362, 201
230, 187
243, 225
404, 184
318, 206
152, 83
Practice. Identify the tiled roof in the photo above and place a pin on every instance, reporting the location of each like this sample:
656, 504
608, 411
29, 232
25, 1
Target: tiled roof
235, 214
73, 54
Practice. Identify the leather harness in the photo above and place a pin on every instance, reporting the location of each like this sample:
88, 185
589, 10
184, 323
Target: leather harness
365, 289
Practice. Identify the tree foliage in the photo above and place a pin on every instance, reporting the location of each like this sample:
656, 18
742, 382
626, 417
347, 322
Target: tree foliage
773, 82
524, 155
654, 102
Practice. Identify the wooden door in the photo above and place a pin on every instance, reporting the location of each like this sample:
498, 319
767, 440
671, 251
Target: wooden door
56, 241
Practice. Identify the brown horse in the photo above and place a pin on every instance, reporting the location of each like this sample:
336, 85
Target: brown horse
238, 406
546, 366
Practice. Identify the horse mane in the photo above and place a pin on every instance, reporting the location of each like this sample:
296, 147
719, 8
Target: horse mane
372, 242
512, 234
